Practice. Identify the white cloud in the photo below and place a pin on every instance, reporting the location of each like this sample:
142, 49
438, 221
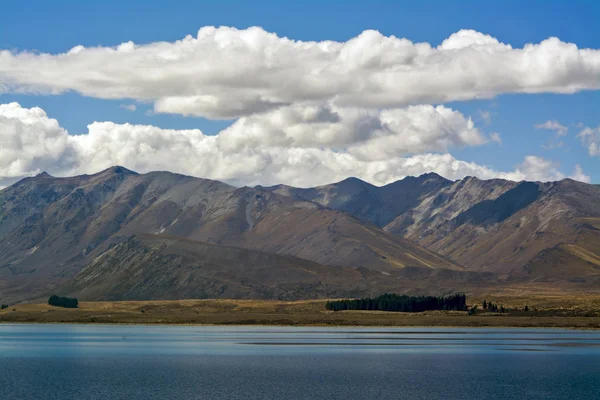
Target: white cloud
578, 175
590, 138
366, 134
275, 150
128, 107
496, 138
31, 142
485, 116
555, 126
536, 169
226, 73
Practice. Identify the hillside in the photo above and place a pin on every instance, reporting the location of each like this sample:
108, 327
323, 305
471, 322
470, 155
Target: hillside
159, 267
530, 230
50, 228
529, 234
378, 205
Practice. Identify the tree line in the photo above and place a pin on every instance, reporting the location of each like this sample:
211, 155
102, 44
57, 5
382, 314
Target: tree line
401, 303
66, 302
492, 307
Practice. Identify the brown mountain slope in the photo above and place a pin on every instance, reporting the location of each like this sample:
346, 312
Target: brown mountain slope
492, 225
51, 227
378, 205
159, 267
505, 234
438, 207
575, 260
148, 267
55, 225
269, 222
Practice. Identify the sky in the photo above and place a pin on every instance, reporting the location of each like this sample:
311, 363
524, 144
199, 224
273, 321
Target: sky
302, 93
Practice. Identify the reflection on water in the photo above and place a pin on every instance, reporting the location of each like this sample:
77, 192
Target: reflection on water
195, 362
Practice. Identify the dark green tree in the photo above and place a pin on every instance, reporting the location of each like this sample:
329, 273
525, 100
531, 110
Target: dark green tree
66, 302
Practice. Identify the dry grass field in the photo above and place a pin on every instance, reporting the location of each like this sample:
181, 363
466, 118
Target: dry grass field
582, 312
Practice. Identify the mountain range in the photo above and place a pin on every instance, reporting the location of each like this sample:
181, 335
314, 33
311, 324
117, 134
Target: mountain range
118, 234
533, 230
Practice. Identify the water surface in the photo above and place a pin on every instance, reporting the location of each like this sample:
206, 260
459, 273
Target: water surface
191, 362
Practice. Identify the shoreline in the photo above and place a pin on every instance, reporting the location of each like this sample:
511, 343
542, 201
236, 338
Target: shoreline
469, 327
552, 313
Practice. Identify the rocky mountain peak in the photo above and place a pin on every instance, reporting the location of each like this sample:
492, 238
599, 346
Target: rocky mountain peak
117, 170
431, 176
353, 183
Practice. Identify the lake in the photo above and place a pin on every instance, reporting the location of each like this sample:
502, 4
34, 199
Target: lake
196, 362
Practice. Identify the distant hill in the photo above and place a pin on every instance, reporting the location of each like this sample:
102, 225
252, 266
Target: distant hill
536, 231
420, 234
50, 228
378, 205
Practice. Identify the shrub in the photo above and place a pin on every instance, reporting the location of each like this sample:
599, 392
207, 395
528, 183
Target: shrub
66, 302
3, 306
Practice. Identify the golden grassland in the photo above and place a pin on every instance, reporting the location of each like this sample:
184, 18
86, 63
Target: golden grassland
582, 312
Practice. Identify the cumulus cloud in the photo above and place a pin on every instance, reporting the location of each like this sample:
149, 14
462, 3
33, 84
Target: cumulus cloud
579, 175
365, 134
590, 138
536, 169
225, 73
555, 126
31, 142
275, 150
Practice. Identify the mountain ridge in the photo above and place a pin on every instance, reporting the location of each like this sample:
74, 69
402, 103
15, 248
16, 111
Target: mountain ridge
50, 227
544, 233
496, 225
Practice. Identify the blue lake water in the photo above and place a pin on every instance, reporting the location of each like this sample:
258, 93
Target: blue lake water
191, 362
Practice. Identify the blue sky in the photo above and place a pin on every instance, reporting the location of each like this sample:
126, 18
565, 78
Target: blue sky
55, 27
